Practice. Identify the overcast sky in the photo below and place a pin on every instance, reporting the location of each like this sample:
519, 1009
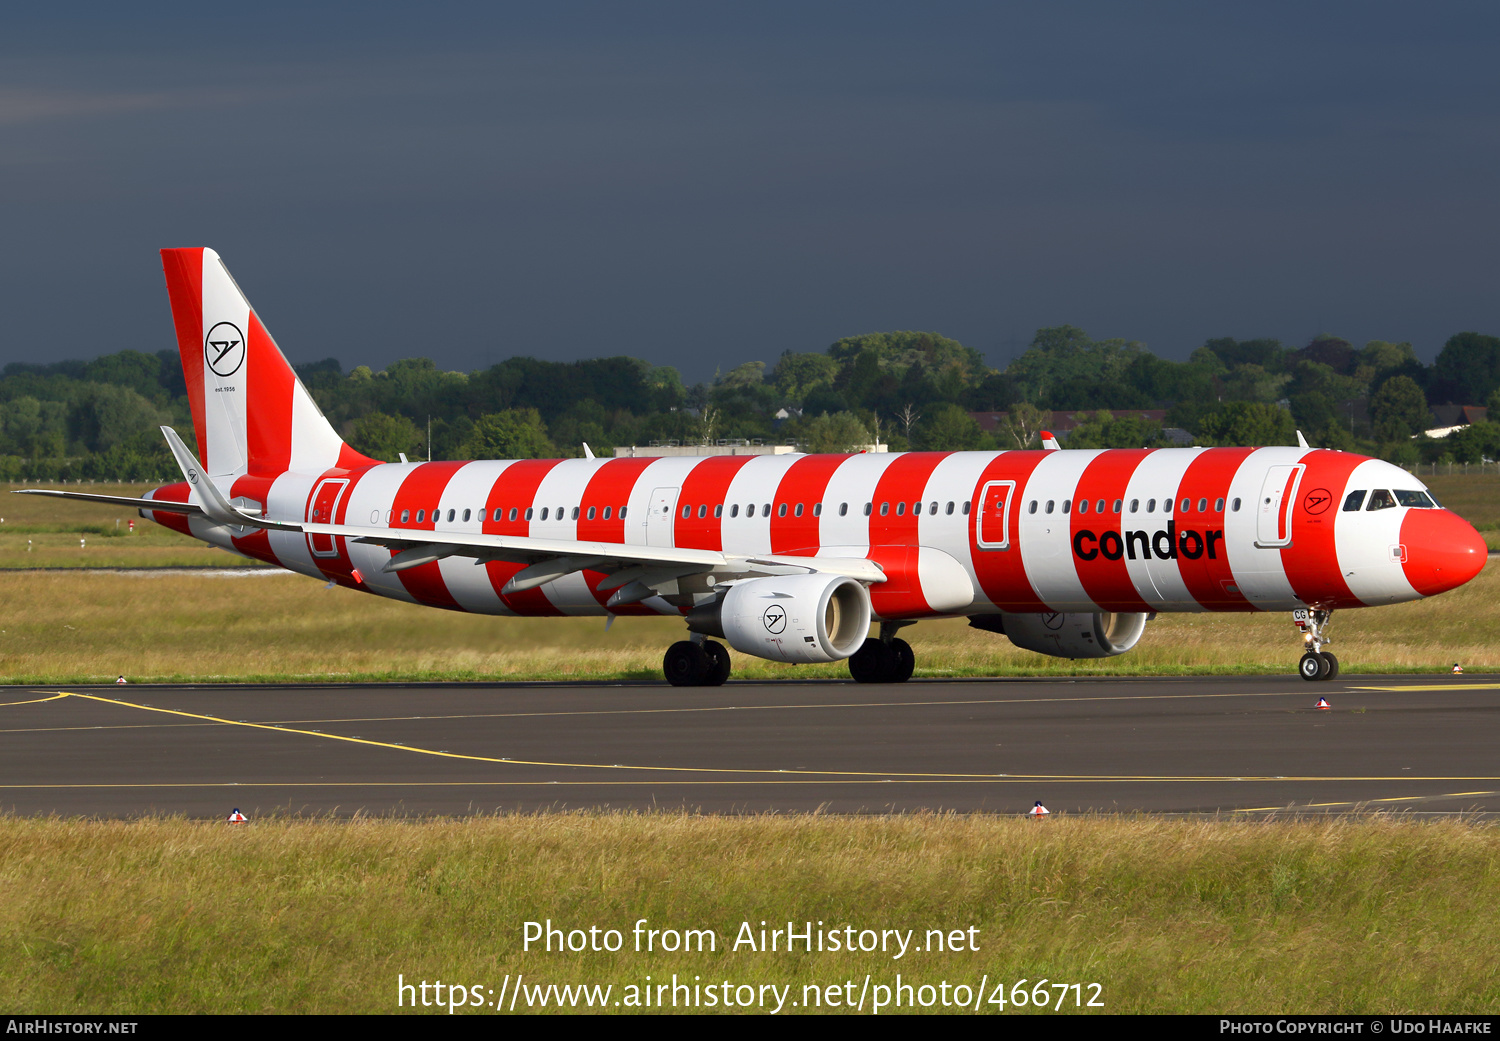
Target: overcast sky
701, 185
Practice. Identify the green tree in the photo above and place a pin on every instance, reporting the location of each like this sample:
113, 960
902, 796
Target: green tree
516, 433
1247, 423
1398, 409
840, 432
385, 437
1467, 368
1103, 430
796, 375
950, 429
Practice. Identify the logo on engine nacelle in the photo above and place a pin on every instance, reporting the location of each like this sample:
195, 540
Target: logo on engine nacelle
774, 618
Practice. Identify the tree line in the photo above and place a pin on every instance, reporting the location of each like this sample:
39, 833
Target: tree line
911, 390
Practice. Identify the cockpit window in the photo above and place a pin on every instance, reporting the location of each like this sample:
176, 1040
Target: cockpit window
1354, 500
1420, 500
1380, 499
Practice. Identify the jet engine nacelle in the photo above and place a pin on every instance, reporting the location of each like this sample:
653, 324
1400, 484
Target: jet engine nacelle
799, 618
1072, 634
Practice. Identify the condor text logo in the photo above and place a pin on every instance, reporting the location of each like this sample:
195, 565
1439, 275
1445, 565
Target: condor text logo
1168, 544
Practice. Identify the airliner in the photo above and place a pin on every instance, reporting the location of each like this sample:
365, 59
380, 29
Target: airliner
793, 557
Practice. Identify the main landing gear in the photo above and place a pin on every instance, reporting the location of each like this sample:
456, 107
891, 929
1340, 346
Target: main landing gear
696, 663
886, 660
1316, 663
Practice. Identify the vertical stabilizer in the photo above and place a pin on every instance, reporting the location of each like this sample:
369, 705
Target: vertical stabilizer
250, 412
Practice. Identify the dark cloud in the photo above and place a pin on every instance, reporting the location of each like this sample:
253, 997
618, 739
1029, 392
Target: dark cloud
702, 187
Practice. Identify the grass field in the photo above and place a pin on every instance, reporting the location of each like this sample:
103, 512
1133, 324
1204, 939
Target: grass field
62, 627
1166, 916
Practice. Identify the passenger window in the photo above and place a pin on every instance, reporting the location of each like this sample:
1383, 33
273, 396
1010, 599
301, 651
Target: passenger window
1187, 505
544, 513
421, 514
1083, 506
885, 508
734, 511
843, 509
1118, 504
1032, 507
966, 507
687, 511
1235, 506
1150, 505
1166, 506
607, 511
1099, 506
405, 516
513, 512
703, 511
949, 510
529, 512
575, 513
797, 510
1218, 505
1354, 500
868, 507
718, 512
765, 509
1135, 505
622, 513
1067, 505
817, 509
466, 514
901, 509
1050, 504
932, 510
1380, 499
591, 513
1202, 505
781, 509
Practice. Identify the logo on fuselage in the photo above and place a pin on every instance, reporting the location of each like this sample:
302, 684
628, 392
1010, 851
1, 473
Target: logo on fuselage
1165, 544
774, 619
224, 349
1317, 500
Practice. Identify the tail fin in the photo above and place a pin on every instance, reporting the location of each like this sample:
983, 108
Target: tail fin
250, 412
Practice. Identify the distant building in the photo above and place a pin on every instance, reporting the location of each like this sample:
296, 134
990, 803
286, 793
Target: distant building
1454, 417
725, 446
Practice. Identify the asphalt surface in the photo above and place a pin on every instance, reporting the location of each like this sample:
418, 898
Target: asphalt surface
1227, 745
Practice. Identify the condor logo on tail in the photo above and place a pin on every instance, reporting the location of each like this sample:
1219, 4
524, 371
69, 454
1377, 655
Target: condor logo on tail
1168, 544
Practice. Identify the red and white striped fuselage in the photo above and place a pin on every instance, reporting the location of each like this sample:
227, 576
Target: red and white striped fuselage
961, 533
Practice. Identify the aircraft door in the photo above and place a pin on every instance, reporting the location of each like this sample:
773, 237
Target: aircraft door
1273, 517
994, 515
325, 502
660, 518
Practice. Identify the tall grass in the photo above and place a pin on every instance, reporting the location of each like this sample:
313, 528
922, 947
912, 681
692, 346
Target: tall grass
1168, 916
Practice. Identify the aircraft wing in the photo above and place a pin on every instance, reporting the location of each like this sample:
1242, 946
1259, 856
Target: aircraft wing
635, 572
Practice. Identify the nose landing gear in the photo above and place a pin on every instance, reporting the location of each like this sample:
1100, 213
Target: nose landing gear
1316, 663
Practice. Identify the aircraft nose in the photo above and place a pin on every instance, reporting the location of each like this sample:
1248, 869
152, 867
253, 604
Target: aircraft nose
1442, 550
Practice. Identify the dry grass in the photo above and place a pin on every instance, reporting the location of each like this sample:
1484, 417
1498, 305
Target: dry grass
62, 627
1169, 916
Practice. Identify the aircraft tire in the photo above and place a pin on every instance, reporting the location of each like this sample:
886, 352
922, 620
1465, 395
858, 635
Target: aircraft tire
1312, 667
686, 664
874, 662
906, 661
719, 665
1333, 666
